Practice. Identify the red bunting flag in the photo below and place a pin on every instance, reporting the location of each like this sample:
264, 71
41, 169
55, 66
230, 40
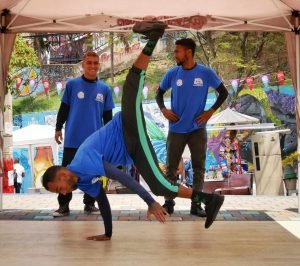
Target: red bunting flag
249, 81
18, 82
46, 85
280, 77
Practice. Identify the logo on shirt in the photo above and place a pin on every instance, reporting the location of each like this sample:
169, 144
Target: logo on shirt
95, 180
179, 82
99, 97
80, 95
198, 82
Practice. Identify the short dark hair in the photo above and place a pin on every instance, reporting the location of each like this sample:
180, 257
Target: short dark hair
50, 175
90, 53
187, 43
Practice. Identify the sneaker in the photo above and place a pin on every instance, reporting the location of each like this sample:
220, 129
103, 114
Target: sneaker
91, 209
62, 211
153, 30
212, 208
197, 210
169, 206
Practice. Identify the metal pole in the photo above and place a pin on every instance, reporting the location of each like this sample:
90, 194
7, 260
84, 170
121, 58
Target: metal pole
1, 194
297, 105
1, 121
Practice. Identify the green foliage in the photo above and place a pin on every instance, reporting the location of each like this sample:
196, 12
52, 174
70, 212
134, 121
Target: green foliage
232, 55
242, 54
39, 103
23, 55
290, 160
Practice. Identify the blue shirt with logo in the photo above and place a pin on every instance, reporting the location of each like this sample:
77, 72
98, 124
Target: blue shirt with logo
106, 144
87, 102
189, 94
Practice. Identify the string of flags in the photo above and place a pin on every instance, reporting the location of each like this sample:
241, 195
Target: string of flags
59, 85
46, 85
146, 89
145, 92
33, 83
117, 91
265, 79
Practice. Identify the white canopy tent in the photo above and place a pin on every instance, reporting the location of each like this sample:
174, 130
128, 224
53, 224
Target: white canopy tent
118, 15
230, 119
263, 126
230, 116
34, 136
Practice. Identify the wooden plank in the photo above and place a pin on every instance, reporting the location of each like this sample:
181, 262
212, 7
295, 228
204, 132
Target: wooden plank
147, 243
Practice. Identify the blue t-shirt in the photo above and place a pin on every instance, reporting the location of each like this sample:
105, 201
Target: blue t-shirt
189, 94
106, 144
87, 102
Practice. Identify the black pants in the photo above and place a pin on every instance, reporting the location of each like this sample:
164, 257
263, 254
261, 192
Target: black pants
136, 139
197, 142
64, 200
17, 187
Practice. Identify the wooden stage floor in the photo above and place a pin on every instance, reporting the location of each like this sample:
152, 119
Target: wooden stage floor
147, 243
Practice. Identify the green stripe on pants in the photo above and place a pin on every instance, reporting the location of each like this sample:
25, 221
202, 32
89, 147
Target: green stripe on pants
142, 136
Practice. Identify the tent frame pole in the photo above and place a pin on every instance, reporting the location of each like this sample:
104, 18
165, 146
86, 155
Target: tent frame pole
18, 14
297, 109
1, 193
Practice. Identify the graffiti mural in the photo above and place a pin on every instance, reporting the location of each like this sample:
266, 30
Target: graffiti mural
32, 81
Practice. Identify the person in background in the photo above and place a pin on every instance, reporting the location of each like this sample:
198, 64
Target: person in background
190, 83
124, 141
19, 174
86, 105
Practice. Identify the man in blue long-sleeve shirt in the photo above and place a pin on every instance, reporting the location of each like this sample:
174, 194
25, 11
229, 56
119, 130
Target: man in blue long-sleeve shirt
124, 141
86, 106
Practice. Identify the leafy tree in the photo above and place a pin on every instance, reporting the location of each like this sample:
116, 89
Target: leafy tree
23, 55
230, 54
241, 54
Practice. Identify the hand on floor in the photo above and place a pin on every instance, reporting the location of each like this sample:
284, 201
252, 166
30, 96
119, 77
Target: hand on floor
158, 211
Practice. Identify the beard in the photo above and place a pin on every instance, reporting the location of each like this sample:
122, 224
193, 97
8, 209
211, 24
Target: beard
72, 184
181, 61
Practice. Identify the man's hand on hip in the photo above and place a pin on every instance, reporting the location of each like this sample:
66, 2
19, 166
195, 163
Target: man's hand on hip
204, 117
58, 137
170, 115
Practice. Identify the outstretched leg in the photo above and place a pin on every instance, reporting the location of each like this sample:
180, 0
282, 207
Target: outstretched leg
134, 128
135, 134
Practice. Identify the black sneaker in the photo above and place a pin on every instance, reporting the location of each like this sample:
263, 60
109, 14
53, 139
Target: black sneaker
91, 209
212, 208
197, 210
153, 30
169, 206
62, 211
